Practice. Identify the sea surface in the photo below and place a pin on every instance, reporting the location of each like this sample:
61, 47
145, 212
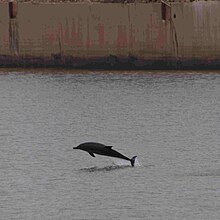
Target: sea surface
170, 120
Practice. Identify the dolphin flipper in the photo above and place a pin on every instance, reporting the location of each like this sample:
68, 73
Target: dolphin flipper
92, 154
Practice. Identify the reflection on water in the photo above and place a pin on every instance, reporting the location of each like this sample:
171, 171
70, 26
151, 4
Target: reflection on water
104, 169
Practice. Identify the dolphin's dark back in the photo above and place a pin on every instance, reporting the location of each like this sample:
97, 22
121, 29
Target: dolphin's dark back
91, 146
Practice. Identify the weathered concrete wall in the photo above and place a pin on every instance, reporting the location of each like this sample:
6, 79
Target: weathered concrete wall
197, 27
93, 29
4, 29
132, 35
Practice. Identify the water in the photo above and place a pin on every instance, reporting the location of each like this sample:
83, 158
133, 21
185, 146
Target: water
169, 120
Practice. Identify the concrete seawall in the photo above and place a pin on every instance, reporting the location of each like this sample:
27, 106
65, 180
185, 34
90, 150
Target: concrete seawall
112, 35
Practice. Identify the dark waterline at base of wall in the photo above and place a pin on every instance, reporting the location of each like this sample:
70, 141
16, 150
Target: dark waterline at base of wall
109, 63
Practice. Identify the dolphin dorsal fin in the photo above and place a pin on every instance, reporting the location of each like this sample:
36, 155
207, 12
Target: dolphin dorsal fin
109, 147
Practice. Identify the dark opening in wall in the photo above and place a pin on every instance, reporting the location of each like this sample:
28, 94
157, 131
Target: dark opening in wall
165, 11
13, 8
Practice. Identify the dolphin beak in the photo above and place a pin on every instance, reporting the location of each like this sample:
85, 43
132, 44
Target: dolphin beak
75, 147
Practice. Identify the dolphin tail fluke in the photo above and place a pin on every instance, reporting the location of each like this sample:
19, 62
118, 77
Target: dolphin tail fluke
133, 161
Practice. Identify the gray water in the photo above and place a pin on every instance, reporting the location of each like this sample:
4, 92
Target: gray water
170, 120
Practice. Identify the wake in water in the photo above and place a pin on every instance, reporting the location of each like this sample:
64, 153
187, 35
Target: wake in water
117, 164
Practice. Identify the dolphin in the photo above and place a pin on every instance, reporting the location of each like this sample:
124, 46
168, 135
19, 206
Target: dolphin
97, 148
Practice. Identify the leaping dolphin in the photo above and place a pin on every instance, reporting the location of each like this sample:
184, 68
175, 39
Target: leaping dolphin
97, 148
